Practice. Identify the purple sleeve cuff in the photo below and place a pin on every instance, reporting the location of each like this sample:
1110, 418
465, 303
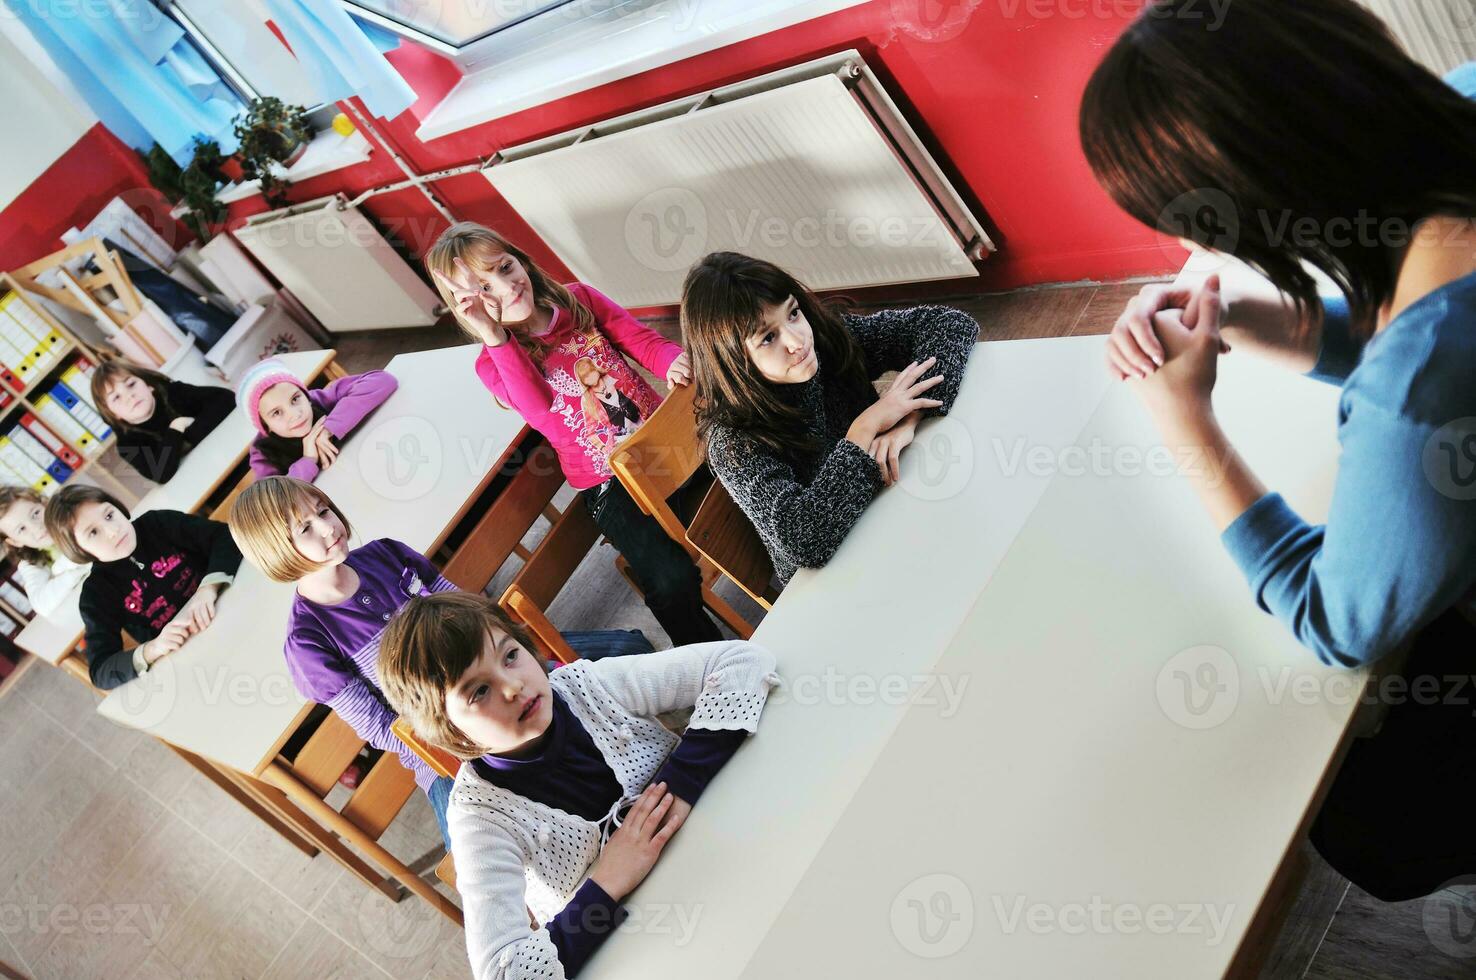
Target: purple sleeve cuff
582, 925
702, 752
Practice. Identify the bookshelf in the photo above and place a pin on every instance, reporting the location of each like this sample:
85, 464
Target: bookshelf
49, 429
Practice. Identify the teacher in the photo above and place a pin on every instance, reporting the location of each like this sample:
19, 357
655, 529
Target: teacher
1297, 136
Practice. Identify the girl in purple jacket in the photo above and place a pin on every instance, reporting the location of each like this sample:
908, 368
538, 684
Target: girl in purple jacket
302, 430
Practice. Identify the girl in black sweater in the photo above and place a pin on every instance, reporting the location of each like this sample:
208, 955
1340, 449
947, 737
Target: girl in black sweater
794, 428
157, 420
157, 577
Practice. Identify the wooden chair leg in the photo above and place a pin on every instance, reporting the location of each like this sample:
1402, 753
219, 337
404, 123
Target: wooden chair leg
265, 814
282, 778
334, 370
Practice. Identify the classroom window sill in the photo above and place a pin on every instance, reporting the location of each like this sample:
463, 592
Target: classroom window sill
327, 152
606, 48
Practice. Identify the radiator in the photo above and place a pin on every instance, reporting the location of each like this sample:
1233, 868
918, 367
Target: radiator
1440, 34
339, 266
812, 168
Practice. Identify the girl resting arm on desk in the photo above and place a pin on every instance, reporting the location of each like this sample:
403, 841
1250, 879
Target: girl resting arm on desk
794, 428
157, 576
552, 760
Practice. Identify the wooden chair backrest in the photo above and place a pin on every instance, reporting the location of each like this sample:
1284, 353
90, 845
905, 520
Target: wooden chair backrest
660, 456
443, 763
723, 534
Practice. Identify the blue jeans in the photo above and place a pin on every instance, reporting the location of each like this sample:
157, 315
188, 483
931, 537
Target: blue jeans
440, 796
598, 644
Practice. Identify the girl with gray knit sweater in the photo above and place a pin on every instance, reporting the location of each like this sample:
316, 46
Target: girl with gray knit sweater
793, 426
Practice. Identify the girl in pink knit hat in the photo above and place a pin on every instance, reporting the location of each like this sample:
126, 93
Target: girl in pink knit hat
301, 430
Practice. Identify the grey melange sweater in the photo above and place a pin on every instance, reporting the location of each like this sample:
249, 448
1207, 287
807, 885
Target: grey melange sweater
803, 505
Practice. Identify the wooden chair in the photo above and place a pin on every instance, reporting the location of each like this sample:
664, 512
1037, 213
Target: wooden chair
308, 775
442, 763
222, 511
723, 535
652, 463
547, 569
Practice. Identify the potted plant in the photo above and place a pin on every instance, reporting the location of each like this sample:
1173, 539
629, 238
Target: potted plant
193, 186
271, 133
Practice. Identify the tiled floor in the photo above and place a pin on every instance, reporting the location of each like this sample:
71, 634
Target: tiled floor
121, 861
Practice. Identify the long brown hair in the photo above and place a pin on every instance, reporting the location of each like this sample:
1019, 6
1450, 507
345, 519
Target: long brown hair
474, 244
723, 300
115, 370
1291, 133
36, 556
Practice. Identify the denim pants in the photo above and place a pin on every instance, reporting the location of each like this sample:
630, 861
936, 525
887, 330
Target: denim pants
662, 568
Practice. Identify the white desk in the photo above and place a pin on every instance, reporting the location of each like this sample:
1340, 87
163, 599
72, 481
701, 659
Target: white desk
226, 694
199, 475
1051, 608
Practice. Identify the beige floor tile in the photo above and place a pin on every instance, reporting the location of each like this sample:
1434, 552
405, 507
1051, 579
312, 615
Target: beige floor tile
152, 887
450, 963
235, 928
72, 870
31, 739
12, 959
73, 705
38, 810
156, 966
402, 937
304, 880
315, 953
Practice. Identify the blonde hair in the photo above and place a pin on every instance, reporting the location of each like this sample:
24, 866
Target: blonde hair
10, 495
473, 244
432, 641
262, 519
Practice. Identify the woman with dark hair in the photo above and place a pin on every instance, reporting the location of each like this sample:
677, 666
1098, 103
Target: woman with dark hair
1301, 135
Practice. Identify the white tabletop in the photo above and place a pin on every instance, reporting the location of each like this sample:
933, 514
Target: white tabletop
1050, 772
405, 474
52, 637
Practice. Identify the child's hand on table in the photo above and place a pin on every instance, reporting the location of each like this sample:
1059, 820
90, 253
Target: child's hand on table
318, 445
886, 448
170, 639
903, 400
477, 306
199, 611
181, 423
634, 847
680, 372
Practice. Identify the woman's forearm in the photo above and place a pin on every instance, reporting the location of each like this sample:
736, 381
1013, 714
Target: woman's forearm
1262, 320
1222, 479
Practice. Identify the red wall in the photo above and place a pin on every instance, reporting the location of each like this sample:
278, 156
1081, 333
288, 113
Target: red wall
993, 90
96, 169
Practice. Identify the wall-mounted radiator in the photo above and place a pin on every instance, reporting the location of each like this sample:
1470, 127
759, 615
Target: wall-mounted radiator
1440, 34
338, 264
812, 168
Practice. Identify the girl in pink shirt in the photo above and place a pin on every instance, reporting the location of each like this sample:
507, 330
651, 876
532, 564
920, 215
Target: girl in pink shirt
557, 356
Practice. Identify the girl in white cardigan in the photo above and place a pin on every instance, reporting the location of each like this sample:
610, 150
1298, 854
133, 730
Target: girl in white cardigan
552, 763
46, 575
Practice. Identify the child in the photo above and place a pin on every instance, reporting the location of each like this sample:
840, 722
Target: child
553, 760
794, 429
157, 420
293, 532
47, 576
301, 430
555, 354
157, 577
